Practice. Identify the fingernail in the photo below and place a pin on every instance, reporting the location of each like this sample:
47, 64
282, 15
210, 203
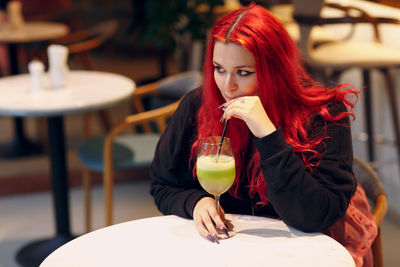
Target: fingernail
210, 238
225, 232
215, 239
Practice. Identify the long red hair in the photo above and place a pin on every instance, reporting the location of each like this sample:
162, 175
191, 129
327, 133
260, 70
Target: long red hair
289, 96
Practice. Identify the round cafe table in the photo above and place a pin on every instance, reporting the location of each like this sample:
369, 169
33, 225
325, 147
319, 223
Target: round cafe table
31, 32
85, 91
174, 241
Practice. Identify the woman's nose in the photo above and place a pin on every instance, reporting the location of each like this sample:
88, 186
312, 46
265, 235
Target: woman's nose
230, 84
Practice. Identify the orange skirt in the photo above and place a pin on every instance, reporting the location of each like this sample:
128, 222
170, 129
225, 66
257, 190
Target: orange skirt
357, 229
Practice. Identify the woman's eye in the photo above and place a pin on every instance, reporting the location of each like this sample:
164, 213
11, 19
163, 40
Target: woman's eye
244, 72
219, 69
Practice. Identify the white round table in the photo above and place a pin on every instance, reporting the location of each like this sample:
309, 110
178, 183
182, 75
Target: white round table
85, 91
31, 32
174, 241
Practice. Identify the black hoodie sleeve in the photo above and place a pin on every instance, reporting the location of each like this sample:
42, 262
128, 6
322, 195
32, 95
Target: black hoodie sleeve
173, 187
310, 200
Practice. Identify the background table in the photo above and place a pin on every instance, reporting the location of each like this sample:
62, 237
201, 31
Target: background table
32, 32
85, 91
174, 241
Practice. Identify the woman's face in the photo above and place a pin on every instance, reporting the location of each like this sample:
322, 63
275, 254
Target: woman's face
234, 70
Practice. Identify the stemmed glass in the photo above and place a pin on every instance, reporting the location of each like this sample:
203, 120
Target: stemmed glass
216, 172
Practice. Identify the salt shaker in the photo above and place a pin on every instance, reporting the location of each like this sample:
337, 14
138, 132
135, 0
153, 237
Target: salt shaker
36, 70
14, 14
58, 68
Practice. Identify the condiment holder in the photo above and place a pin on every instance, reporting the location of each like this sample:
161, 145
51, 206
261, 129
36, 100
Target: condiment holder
36, 71
58, 68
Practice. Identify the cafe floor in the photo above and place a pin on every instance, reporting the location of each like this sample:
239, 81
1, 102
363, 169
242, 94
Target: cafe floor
26, 211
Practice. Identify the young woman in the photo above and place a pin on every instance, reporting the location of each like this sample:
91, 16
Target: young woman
291, 139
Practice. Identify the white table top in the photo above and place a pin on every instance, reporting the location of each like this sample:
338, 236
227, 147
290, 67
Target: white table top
174, 241
32, 32
85, 91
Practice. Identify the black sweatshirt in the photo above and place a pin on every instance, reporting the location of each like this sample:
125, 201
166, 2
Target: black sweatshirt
308, 201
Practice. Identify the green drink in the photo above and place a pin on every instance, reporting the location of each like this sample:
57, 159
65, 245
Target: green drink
216, 177
216, 174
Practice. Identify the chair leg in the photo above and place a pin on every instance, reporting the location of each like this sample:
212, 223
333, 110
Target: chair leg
105, 120
394, 109
368, 114
377, 250
108, 196
88, 198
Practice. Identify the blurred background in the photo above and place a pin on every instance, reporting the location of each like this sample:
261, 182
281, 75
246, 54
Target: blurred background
153, 40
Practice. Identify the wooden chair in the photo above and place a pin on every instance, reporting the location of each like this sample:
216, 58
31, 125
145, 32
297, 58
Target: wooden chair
376, 194
338, 56
133, 150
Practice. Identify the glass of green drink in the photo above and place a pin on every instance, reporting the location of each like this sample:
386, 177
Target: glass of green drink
216, 172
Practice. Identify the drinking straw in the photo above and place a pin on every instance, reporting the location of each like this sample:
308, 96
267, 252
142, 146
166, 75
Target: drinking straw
222, 140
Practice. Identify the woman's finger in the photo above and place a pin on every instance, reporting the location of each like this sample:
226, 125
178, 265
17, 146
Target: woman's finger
204, 224
235, 112
217, 219
201, 229
251, 111
209, 224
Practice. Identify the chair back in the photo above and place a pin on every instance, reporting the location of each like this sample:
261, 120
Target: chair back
177, 85
368, 179
166, 91
159, 116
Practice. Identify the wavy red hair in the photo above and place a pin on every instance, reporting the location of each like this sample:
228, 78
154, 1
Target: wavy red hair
288, 94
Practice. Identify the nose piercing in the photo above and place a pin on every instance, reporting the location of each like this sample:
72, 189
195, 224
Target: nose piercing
242, 100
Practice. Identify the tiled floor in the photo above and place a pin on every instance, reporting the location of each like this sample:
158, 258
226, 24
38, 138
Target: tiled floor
29, 217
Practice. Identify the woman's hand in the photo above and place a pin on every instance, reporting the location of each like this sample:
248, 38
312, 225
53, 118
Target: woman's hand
251, 111
207, 220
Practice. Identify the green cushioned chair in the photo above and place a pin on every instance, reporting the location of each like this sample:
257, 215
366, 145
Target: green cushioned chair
129, 151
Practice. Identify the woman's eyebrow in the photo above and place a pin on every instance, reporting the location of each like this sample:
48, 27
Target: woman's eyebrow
236, 67
244, 66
